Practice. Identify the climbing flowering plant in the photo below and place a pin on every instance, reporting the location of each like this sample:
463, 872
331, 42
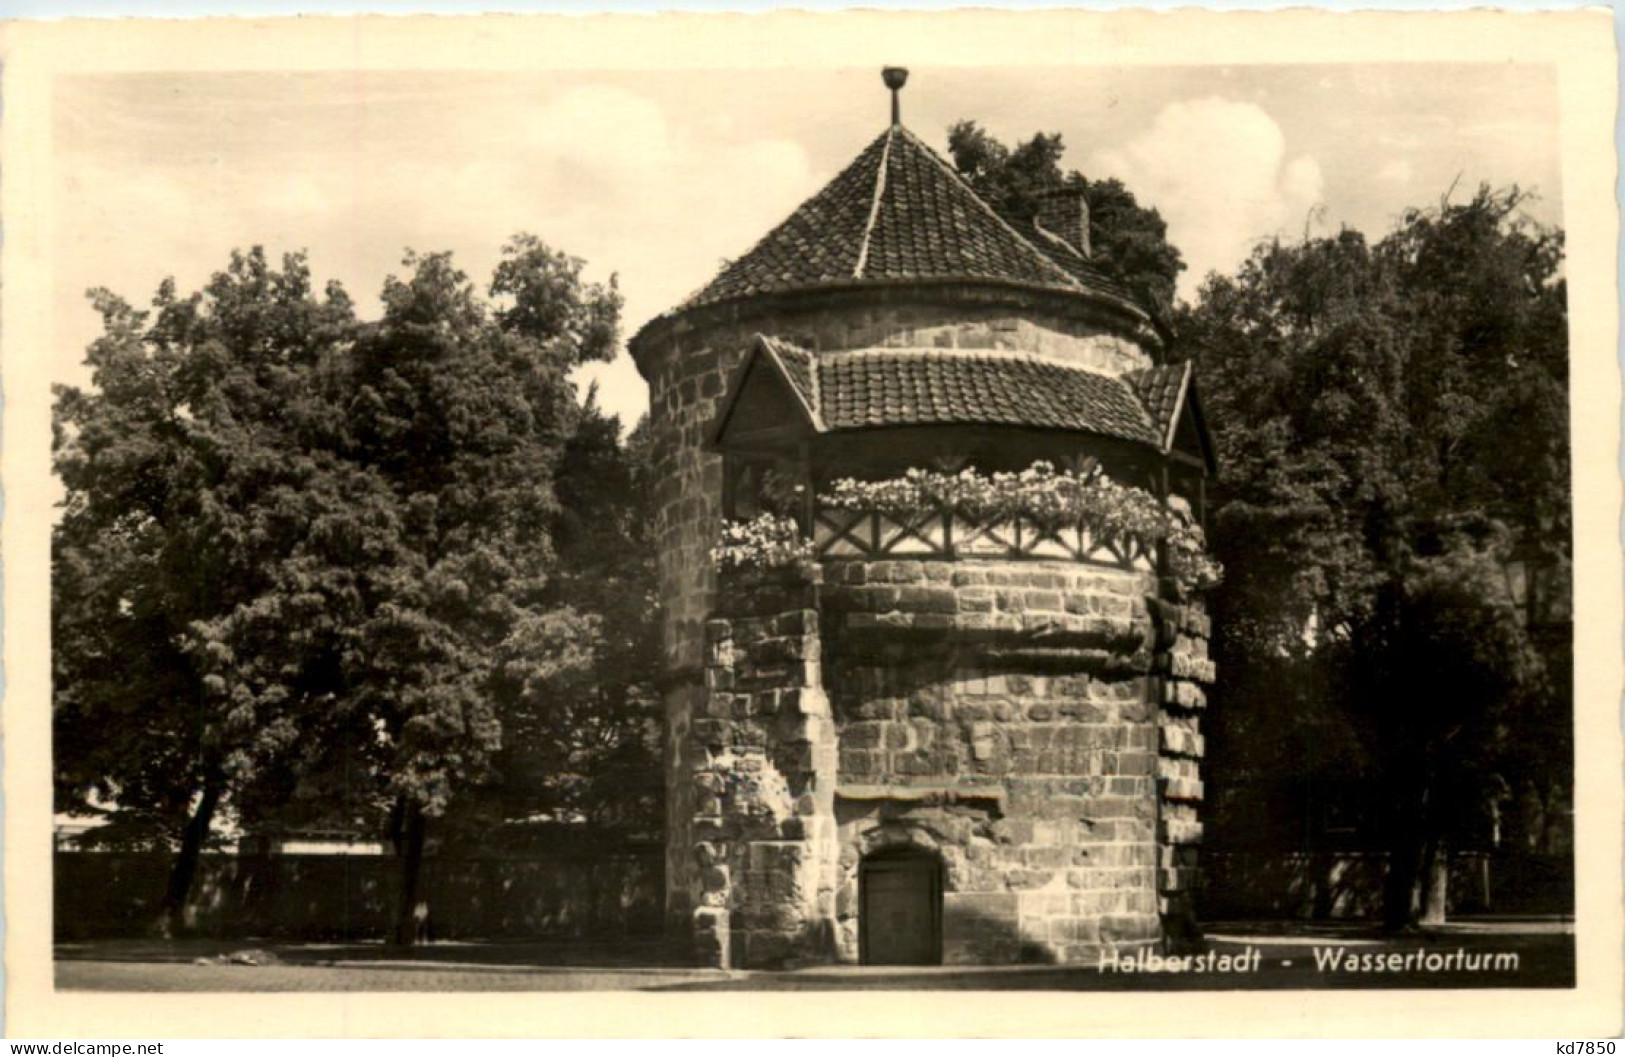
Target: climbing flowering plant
766, 541
1039, 492
1189, 562
1090, 500
1094, 502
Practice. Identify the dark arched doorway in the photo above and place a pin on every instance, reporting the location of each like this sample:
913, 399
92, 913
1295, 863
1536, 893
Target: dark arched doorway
900, 908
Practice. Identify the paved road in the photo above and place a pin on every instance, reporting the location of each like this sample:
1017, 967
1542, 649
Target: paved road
132, 976
1258, 958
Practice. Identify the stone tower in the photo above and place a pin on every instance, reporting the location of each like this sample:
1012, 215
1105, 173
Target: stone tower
938, 740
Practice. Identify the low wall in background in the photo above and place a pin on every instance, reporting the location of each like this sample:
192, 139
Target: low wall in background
621, 893
1251, 885
353, 897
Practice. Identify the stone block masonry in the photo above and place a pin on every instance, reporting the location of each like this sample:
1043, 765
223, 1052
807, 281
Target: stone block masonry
760, 766
985, 752
689, 364
1000, 715
689, 369
1022, 723
1183, 670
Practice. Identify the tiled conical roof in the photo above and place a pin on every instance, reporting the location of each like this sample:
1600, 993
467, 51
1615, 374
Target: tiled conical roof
898, 212
1161, 389
898, 387
873, 388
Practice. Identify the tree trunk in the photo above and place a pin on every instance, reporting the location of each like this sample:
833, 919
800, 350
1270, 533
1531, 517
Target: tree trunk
410, 913
1399, 904
172, 912
1434, 881
1551, 817
1407, 853
1418, 864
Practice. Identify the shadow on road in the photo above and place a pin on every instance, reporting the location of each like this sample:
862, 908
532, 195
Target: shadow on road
595, 954
1480, 953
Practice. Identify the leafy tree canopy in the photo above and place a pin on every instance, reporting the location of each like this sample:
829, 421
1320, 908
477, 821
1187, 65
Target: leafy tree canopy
1376, 404
310, 559
1391, 424
1129, 241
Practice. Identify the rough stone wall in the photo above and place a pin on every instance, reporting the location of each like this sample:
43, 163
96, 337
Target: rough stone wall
762, 770
1034, 724
1002, 715
688, 369
1183, 670
684, 700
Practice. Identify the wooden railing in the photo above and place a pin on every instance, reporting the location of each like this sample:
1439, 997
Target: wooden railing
951, 534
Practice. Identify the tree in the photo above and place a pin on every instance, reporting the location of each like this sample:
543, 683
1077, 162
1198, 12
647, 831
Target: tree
1129, 241
461, 414
585, 749
187, 473
323, 546
1373, 497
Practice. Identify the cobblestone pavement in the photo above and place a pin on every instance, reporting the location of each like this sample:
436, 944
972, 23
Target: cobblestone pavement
138, 976
1280, 958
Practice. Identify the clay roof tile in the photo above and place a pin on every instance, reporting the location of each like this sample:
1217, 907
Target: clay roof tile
898, 212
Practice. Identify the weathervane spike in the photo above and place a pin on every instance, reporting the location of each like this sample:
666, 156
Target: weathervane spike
895, 77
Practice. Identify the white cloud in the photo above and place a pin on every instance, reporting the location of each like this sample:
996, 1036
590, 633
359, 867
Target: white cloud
599, 172
1396, 170
299, 195
1218, 172
1402, 140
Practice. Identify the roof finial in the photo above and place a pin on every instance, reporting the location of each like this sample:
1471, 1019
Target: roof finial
895, 77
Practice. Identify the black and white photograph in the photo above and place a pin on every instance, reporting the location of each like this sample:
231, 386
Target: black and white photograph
1066, 520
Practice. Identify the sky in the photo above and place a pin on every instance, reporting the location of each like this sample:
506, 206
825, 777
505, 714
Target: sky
659, 177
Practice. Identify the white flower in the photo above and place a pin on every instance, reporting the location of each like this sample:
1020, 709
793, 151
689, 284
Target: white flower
766, 541
1089, 500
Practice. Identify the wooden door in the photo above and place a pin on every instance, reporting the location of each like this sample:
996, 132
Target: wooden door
900, 912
